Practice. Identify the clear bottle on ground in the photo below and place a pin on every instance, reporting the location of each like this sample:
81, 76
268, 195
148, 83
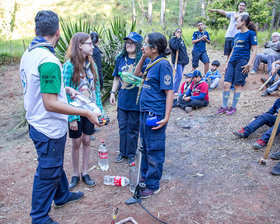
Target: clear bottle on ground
120, 181
103, 161
132, 178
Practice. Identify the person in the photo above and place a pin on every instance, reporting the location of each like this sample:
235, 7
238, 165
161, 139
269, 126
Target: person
240, 62
231, 30
213, 76
273, 87
184, 88
46, 107
79, 73
197, 95
177, 44
96, 55
199, 40
128, 110
270, 54
276, 169
155, 98
267, 118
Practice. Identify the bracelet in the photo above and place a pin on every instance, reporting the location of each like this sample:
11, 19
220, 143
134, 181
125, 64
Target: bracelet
112, 92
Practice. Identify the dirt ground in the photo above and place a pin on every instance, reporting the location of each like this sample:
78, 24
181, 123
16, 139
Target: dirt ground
209, 175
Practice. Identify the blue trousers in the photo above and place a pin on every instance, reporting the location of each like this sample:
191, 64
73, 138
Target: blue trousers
192, 103
129, 131
268, 119
178, 77
153, 142
50, 182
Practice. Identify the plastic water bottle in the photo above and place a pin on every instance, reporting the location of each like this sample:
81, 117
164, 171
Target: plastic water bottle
116, 181
132, 178
103, 161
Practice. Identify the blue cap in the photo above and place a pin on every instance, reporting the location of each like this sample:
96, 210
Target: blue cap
193, 74
135, 37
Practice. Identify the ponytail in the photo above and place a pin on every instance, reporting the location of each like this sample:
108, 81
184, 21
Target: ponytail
248, 23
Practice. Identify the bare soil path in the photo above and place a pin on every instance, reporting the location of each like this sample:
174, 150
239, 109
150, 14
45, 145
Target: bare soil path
209, 175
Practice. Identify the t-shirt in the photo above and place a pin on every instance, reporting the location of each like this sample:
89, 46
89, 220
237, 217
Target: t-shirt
159, 78
232, 30
127, 92
201, 87
242, 45
212, 74
40, 72
201, 45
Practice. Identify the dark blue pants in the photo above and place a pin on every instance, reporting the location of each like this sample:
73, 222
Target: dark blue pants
192, 103
50, 182
129, 131
153, 142
268, 119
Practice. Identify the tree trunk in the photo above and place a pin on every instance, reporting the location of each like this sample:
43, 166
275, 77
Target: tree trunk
150, 10
162, 13
203, 8
181, 19
133, 11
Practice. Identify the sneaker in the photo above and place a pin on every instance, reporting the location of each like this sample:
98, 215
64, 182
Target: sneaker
131, 160
119, 158
263, 80
86, 179
50, 221
275, 155
240, 133
75, 196
141, 180
148, 193
222, 110
231, 111
276, 170
259, 144
265, 93
175, 104
74, 181
92, 138
188, 109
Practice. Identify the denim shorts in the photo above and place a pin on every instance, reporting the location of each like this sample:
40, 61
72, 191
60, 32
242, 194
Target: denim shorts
196, 56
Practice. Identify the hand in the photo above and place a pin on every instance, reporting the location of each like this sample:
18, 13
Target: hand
225, 68
72, 92
112, 99
177, 35
246, 69
212, 10
205, 37
144, 56
73, 125
186, 98
161, 123
274, 70
93, 118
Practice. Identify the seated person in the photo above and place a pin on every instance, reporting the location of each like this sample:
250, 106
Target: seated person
213, 76
197, 94
273, 87
184, 88
270, 54
267, 118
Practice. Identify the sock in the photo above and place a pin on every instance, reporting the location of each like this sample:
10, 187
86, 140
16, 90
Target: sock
236, 97
225, 98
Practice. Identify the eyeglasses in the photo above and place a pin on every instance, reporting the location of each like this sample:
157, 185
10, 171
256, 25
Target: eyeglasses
90, 43
147, 45
130, 43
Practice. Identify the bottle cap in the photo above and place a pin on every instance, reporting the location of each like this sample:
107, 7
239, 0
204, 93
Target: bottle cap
133, 164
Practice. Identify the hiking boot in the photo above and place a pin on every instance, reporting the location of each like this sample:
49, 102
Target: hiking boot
119, 158
276, 170
265, 93
74, 181
86, 179
231, 111
131, 160
148, 193
75, 196
188, 109
222, 110
175, 104
275, 155
50, 221
259, 144
240, 133
263, 80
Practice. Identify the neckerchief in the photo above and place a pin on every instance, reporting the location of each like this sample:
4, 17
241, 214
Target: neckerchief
149, 66
195, 85
40, 42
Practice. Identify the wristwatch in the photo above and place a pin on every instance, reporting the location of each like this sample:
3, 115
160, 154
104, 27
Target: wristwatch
112, 92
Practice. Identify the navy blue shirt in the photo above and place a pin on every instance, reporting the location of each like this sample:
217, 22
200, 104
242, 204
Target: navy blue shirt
242, 45
201, 45
159, 78
127, 92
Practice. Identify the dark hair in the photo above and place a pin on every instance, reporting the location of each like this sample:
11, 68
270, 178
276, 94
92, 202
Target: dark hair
216, 63
177, 30
94, 37
248, 23
158, 40
137, 50
199, 22
243, 2
46, 23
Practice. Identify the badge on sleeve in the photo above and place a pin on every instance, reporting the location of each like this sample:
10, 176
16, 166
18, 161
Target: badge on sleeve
167, 80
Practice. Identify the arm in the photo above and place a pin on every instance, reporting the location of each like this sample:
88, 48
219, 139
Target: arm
219, 11
174, 43
168, 107
199, 97
197, 40
138, 68
115, 87
246, 68
52, 104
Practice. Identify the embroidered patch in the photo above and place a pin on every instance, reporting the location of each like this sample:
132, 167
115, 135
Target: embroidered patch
167, 80
23, 80
255, 38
